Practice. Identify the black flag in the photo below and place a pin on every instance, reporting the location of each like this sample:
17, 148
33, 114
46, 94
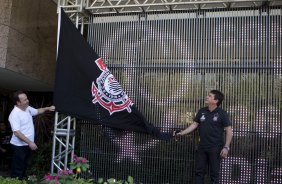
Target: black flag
86, 89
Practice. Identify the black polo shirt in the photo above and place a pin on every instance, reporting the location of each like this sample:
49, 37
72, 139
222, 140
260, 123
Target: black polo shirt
211, 126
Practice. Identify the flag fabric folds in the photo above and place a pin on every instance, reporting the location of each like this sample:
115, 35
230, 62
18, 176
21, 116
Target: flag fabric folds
86, 89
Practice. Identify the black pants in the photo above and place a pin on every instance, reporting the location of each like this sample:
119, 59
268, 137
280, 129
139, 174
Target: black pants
208, 157
20, 159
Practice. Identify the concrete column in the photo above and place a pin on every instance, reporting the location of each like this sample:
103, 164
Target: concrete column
28, 36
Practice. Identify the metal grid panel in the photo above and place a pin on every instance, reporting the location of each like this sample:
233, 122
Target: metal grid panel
167, 63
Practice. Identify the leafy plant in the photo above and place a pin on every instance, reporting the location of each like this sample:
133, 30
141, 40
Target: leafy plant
68, 176
79, 164
71, 176
40, 162
129, 180
65, 176
11, 181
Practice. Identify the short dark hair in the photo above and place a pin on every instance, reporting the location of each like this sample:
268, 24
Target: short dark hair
15, 96
218, 96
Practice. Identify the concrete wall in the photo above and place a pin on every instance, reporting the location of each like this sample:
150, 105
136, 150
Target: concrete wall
28, 36
5, 14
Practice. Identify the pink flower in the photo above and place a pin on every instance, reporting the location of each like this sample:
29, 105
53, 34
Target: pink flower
84, 161
48, 177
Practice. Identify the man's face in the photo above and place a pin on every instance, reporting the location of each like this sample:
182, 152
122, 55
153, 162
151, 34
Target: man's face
23, 102
209, 100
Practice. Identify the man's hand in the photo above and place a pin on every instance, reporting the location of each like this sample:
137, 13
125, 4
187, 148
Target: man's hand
44, 109
224, 153
22, 137
32, 146
51, 108
176, 133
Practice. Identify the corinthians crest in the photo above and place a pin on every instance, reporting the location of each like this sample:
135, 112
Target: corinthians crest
108, 92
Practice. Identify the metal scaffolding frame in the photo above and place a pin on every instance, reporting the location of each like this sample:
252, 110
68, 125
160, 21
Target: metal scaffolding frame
128, 6
63, 142
80, 11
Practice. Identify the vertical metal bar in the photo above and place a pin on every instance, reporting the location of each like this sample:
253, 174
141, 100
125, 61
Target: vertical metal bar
67, 142
73, 139
54, 141
82, 25
89, 32
58, 31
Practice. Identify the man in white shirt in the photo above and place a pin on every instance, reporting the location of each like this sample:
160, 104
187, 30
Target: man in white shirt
22, 141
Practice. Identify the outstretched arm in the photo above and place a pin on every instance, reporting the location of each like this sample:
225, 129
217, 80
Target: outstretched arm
191, 128
44, 109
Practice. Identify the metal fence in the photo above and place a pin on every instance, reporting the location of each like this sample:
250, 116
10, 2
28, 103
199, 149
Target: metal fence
167, 63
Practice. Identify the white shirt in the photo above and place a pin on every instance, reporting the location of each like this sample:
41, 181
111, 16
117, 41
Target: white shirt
22, 121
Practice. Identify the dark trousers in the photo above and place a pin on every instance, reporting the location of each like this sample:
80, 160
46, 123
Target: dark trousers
20, 159
207, 157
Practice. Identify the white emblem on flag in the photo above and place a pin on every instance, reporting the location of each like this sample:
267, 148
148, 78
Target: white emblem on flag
108, 92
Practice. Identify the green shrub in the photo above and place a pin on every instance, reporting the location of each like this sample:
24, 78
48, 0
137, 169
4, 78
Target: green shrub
11, 181
114, 181
72, 176
40, 162
65, 179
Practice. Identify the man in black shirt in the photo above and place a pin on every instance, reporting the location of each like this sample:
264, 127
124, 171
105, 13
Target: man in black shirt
212, 121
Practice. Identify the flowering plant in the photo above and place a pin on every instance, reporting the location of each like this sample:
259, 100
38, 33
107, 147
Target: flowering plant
79, 164
71, 176
64, 176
